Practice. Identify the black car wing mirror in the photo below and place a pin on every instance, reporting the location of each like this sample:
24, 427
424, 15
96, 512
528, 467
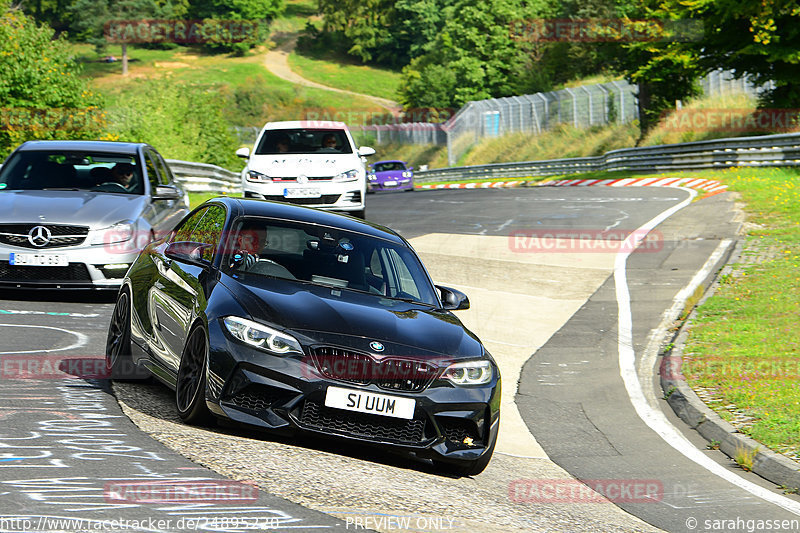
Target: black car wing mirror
452, 299
187, 252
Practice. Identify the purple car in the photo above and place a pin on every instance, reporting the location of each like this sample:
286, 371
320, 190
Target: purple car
390, 176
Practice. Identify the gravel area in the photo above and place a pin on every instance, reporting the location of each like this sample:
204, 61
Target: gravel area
355, 481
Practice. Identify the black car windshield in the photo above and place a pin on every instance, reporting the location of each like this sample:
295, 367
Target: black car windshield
70, 170
304, 141
327, 256
389, 166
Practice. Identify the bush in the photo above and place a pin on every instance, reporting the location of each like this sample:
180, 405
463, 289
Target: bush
182, 121
41, 93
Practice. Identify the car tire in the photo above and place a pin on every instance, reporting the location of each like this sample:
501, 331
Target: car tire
466, 468
119, 361
190, 384
361, 213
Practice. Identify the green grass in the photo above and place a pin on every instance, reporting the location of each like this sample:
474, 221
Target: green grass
255, 95
197, 198
745, 342
345, 73
294, 19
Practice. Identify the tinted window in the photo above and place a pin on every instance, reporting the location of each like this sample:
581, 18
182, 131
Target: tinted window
209, 230
152, 173
164, 173
184, 230
53, 170
385, 167
304, 141
328, 256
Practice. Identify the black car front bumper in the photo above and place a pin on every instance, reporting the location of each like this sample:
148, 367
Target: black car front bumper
287, 394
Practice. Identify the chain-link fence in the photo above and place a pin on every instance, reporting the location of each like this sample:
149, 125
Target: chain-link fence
582, 106
722, 82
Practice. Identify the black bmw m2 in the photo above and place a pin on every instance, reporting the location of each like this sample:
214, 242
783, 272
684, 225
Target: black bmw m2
298, 320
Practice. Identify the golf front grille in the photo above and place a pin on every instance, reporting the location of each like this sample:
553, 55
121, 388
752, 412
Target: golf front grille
325, 199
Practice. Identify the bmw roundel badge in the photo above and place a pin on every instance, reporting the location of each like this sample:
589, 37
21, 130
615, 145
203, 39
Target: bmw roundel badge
377, 346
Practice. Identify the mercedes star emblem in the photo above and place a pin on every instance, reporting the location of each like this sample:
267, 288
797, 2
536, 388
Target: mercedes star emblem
39, 236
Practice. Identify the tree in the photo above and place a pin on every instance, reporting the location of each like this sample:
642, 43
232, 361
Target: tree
256, 12
92, 16
41, 92
475, 56
759, 39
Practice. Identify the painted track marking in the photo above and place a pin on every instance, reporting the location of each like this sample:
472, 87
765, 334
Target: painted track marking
654, 418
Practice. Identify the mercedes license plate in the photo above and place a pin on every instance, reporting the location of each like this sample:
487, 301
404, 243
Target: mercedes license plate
37, 259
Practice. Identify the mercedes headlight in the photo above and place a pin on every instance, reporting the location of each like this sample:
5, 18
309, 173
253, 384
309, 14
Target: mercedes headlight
469, 373
261, 336
122, 231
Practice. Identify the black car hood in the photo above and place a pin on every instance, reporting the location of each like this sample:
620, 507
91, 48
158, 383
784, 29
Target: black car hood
326, 315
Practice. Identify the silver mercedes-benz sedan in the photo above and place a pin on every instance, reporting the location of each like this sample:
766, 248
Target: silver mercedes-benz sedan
75, 214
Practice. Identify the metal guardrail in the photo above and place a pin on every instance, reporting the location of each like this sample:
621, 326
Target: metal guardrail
759, 151
202, 177
766, 150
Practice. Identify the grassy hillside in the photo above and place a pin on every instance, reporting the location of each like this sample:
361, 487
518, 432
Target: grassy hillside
344, 73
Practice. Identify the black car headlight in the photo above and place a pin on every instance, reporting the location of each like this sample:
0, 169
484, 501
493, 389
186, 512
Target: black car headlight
469, 373
261, 336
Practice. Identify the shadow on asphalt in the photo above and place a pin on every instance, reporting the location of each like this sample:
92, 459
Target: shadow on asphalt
59, 295
158, 401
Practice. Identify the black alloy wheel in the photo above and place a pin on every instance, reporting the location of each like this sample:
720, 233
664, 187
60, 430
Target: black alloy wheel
118, 343
190, 385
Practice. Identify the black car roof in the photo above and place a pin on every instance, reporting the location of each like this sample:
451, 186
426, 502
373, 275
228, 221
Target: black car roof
99, 146
264, 208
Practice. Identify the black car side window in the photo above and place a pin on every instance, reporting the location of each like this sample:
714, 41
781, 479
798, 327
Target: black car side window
209, 230
184, 231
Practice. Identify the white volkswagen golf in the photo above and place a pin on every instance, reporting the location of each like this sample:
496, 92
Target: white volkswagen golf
307, 163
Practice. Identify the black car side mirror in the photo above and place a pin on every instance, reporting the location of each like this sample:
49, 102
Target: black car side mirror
452, 299
187, 252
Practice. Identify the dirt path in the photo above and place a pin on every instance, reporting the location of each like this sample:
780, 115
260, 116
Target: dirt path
277, 62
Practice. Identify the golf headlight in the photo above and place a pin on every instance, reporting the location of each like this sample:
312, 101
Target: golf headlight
469, 373
257, 177
350, 175
122, 231
261, 336
372, 177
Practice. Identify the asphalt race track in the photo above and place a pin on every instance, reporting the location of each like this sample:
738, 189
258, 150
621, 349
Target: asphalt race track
570, 321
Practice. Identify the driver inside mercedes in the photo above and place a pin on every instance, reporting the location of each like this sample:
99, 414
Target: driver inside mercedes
122, 173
